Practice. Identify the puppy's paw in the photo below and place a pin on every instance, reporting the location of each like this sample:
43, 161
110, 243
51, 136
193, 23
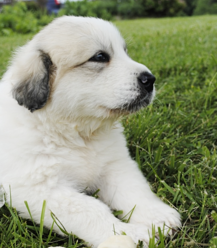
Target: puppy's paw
118, 241
137, 232
159, 215
167, 218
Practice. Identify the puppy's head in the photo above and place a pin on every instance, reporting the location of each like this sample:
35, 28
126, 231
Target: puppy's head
79, 67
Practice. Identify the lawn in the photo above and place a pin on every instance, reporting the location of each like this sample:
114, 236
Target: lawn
174, 140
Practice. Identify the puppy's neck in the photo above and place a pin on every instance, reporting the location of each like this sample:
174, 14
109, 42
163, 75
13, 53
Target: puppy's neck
91, 127
77, 131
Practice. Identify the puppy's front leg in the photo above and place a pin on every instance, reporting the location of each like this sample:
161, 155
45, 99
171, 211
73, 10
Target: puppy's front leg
123, 186
87, 217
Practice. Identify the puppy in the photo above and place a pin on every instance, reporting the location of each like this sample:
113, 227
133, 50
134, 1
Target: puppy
60, 101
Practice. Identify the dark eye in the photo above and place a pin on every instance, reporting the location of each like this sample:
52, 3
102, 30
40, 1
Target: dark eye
100, 57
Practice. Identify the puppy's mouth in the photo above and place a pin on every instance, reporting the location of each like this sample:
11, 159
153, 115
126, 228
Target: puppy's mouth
141, 101
134, 105
137, 104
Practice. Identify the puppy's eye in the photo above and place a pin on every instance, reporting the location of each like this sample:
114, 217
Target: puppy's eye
100, 57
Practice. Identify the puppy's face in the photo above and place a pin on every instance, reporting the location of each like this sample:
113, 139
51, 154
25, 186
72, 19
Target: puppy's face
92, 75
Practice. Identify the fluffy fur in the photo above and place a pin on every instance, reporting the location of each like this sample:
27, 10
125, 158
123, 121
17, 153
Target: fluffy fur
60, 135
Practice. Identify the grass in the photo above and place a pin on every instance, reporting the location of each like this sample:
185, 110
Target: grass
174, 141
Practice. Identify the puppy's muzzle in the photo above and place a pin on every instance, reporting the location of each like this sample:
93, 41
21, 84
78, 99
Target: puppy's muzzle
146, 81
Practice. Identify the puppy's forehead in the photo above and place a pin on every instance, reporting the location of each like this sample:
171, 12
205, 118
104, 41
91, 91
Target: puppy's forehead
74, 35
106, 35
97, 30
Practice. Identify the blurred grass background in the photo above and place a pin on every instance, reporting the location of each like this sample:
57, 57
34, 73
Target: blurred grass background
174, 140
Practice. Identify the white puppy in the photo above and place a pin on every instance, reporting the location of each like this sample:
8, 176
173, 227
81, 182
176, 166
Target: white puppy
60, 101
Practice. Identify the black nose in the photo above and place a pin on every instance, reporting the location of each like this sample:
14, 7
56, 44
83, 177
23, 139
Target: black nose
146, 80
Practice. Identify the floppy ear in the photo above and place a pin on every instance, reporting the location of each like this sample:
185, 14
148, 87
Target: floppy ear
33, 92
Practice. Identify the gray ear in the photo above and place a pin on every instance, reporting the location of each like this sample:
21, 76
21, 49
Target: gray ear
34, 92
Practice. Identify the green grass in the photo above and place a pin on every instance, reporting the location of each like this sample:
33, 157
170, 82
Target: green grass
174, 141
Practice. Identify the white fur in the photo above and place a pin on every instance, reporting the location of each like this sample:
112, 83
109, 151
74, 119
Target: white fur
118, 241
75, 143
